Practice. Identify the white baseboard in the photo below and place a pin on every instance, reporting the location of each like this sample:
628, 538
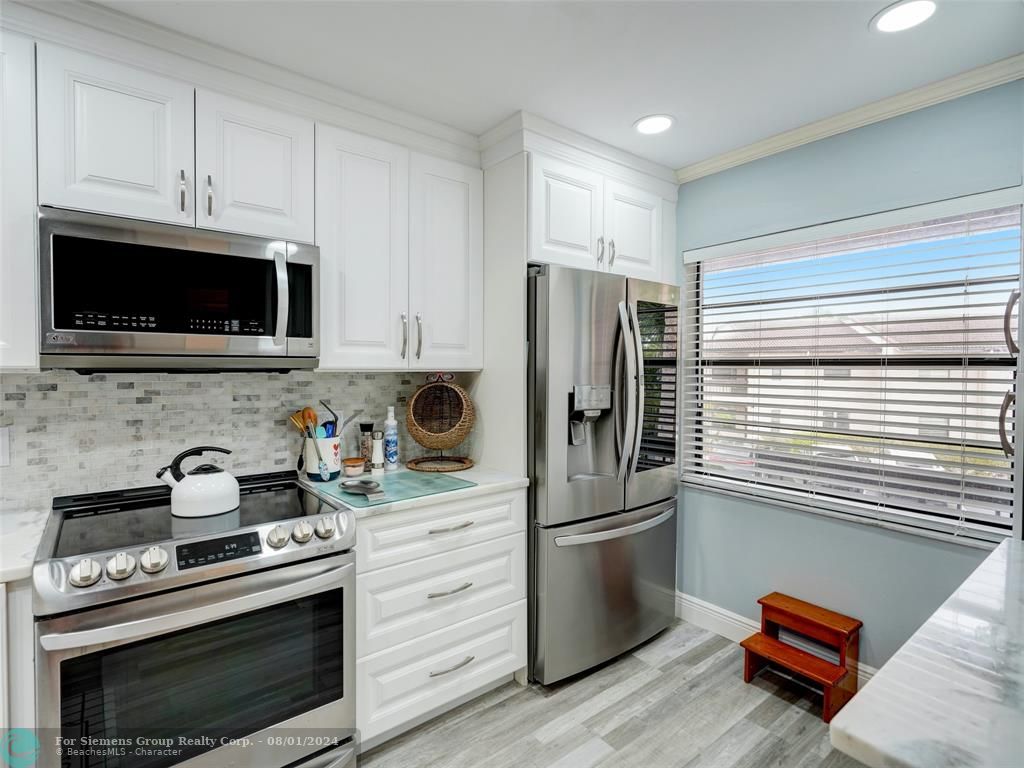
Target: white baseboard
735, 627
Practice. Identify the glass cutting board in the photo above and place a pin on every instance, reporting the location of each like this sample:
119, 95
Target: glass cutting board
397, 486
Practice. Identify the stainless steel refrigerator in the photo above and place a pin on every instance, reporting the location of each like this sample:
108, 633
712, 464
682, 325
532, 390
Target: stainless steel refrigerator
602, 395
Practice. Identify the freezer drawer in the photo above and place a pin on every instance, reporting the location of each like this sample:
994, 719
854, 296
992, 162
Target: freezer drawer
601, 588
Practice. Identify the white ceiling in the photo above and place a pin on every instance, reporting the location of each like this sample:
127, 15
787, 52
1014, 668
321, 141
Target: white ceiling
731, 72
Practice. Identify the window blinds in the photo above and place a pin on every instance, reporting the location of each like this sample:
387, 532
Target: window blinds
870, 374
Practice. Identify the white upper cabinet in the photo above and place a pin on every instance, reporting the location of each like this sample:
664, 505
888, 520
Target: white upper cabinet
633, 231
566, 213
362, 215
254, 167
590, 219
445, 265
19, 313
114, 139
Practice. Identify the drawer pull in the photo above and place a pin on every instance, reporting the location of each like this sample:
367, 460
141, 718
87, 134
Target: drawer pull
449, 529
463, 588
460, 665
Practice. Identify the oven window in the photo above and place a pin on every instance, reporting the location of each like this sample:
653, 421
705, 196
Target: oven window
100, 285
228, 678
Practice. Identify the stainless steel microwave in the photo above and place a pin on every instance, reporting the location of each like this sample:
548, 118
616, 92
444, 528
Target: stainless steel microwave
134, 295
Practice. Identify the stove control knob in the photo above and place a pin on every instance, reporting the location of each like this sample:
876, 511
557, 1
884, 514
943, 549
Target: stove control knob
85, 573
120, 566
277, 537
302, 532
153, 560
324, 528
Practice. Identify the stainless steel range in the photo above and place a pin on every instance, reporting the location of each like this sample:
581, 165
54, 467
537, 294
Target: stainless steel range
217, 641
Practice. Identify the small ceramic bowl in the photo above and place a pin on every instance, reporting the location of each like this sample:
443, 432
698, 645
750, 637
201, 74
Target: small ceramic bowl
354, 466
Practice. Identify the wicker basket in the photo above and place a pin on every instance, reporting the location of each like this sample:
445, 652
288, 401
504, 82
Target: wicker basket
440, 414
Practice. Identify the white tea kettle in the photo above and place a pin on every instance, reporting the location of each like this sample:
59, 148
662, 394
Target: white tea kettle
202, 492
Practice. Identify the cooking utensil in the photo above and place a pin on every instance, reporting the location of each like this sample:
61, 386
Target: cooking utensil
331, 410
325, 473
296, 420
321, 432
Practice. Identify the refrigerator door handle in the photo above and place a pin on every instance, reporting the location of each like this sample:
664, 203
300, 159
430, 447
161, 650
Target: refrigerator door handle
638, 399
614, 533
631, 382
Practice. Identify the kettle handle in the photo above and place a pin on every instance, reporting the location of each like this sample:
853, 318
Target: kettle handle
175, 465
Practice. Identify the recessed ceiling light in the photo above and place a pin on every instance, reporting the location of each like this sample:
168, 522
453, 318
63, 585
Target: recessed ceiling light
653, 124
903, 15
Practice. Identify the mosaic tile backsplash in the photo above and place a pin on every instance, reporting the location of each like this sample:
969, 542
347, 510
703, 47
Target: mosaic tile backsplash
74, 434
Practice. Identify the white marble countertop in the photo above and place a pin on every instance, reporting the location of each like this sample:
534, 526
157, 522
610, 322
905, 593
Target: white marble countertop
20, 531
953, 695
487, 481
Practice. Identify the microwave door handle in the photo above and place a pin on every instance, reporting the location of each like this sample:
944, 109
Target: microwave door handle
638, 400
172, 622
630, 427
281, 268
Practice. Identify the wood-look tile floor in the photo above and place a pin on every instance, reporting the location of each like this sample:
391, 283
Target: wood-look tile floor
677, 701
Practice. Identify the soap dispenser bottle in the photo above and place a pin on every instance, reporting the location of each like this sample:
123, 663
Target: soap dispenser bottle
391, 440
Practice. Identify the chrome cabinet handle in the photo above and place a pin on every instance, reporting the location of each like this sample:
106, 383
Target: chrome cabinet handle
600, 249
419, 335
1008, 399
405, 333
460, 665
209, 196
459, 527
1007, 332
611, 252
181, 189
463, 588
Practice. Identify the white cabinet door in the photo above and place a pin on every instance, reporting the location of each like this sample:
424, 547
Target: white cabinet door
19, 309
402, 683
632, 225
254, 167
362, 213
406, 601
445, 265
565, 219
114, 139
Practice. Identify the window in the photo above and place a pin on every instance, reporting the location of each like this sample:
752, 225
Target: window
869, 374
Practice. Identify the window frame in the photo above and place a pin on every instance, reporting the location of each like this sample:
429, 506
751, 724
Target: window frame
931, 526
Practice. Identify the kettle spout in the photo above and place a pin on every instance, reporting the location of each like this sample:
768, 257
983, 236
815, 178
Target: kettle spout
167, 476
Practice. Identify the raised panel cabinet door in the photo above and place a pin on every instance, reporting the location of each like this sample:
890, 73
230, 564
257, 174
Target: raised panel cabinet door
254, 169
362, 214
632, 223
114, 139
566, 215
19, 308
445, 265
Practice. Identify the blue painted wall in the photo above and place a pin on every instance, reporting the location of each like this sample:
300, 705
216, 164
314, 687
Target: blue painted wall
733, 550
972, 144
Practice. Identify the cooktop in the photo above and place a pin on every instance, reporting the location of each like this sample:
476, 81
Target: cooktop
133, 518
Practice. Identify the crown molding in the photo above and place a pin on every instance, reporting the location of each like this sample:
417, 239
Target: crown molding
979, 79
110, 33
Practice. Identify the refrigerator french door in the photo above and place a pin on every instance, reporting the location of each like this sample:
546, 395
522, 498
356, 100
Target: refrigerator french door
602, 455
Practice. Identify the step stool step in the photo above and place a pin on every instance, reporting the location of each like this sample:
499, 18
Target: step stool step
778, 607
823, 672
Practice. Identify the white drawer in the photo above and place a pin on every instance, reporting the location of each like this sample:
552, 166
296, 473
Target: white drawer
396, 686
398, 537
405, 601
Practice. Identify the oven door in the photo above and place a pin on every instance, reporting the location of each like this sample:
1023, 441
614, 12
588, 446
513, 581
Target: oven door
116, 292
255, 671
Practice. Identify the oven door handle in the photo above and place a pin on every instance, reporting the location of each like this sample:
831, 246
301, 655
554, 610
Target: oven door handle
171, 622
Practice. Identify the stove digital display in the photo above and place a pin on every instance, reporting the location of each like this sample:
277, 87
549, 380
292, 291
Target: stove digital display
215, 551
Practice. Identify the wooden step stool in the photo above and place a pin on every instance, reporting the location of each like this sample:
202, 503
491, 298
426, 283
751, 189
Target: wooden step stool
832, 629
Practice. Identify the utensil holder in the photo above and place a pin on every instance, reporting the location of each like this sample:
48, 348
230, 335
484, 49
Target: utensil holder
330, 449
